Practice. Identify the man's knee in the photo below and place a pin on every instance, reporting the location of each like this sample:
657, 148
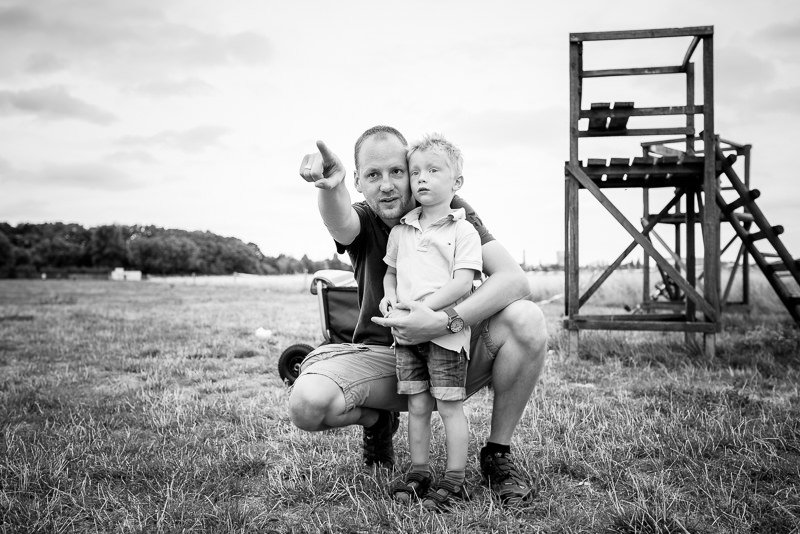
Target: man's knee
311, 399
523, 325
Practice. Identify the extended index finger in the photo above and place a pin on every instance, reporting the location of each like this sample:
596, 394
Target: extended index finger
328, 156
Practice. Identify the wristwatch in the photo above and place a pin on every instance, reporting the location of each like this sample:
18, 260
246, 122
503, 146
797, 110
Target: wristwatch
455, 323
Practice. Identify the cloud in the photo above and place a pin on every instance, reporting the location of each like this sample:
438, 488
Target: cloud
782, 33
744, 70
785, 101
52, 103
502, 128
44, 63
174, 88
129, 41
8, 172
191, 140
17, 18
92, 175
131, 156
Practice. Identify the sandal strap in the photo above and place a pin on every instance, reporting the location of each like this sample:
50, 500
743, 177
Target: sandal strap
433, 496
420, 484
415, 476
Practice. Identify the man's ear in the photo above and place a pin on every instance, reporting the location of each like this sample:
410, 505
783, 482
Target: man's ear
459, 181
356, 182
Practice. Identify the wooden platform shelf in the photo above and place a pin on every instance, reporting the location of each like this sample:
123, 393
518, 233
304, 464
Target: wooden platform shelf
667, 171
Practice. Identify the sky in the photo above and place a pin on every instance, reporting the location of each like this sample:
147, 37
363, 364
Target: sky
195, 114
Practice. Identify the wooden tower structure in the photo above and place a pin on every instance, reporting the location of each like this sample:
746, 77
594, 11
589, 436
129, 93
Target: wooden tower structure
689, 166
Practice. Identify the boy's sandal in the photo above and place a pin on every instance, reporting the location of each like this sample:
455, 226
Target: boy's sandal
414, 485
440, 497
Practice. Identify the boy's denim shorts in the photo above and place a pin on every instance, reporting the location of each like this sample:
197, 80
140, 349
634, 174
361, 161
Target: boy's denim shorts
367, 374
429, 367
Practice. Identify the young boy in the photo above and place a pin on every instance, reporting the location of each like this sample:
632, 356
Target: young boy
433, 256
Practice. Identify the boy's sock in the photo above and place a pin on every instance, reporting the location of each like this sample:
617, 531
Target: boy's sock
492, 448
423, 469
455, 477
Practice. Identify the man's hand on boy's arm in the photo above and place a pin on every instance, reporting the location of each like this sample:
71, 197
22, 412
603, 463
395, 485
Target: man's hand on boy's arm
413, 323
505, 284
325, 170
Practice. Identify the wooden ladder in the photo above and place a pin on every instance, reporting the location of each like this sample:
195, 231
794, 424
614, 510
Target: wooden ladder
780, 272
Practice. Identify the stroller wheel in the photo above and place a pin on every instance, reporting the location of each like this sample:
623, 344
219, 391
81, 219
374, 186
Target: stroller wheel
290, 360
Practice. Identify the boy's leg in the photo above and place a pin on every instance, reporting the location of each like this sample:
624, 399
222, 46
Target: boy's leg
420, 408
456, 430
448, 370
510, 353
413, 380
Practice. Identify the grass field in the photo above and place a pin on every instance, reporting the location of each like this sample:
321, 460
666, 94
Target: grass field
153, 407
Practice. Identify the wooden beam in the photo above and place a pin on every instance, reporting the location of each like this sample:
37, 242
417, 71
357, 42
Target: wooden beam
690, 51
642, 34
665, 150
711, 214
643, 112
639, 131
587, 323
641, 71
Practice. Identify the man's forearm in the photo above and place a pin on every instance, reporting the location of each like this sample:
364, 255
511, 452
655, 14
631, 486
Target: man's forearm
497, 292
334, 207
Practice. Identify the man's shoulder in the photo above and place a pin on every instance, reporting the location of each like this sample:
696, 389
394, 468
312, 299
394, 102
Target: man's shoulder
362, 208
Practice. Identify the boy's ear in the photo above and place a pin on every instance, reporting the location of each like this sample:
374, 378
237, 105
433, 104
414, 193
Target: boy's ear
356, 182
459, 181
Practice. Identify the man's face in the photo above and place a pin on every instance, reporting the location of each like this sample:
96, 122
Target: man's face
383, 177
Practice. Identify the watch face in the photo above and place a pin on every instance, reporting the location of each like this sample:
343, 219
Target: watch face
456, 325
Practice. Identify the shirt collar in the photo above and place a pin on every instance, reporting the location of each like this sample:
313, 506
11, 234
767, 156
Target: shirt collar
412, 217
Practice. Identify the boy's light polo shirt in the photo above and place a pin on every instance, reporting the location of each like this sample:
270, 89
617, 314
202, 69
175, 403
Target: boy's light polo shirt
426, 259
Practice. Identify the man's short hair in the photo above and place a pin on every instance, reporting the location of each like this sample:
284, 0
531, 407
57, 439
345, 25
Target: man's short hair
437, 142
380, 132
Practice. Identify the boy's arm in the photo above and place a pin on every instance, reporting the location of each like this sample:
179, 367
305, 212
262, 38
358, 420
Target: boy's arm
326, 171
455, 288
389, 299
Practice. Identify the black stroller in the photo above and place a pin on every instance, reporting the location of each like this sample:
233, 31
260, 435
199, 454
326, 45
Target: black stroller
337, 293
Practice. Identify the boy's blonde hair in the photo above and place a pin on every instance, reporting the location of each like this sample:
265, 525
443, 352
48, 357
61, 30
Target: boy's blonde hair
436, 141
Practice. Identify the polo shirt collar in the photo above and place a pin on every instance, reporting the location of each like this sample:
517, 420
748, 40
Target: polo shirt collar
412, 217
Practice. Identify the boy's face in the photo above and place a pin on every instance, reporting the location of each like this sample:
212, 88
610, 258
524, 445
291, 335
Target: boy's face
432, 178
383, 177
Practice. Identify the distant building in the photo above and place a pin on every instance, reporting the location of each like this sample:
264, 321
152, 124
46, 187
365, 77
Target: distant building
120, 274
560, 258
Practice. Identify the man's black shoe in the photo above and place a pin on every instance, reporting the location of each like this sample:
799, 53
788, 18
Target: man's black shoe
501, 475
378, 447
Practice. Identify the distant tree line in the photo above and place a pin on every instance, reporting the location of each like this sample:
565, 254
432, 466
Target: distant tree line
28, 250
